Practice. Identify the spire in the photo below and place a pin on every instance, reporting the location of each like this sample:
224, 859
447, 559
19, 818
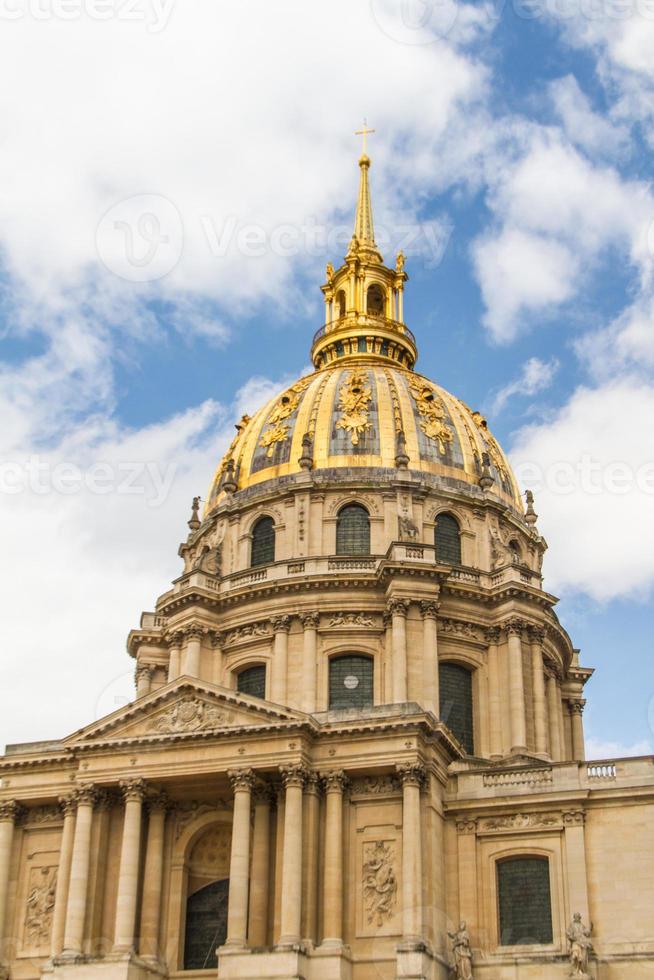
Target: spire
364, 231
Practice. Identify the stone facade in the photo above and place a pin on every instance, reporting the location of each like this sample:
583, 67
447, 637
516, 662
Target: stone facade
351, 841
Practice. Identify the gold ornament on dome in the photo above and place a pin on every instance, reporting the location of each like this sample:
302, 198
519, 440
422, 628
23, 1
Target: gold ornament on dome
354, 402
279, 429
432, 415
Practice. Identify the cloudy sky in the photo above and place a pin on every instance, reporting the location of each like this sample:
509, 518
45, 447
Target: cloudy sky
173, 177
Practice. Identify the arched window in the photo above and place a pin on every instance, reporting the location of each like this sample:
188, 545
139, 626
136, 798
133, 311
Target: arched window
350, 682
252, 681
263, 542
376, 300
455, 689
340, 304
206, 925
353, 531
525, 906
447, 539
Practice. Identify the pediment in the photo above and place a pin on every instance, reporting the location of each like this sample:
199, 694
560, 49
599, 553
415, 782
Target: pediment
186, 707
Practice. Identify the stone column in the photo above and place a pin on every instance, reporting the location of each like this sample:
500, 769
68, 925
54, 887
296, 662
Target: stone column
281, 625
291, 914
467, 861
128, 873
577, 725
79, 874
553, 716
68, 806
335, 783
258, 920
310, 624
10, 812
153, 877
575, 856
564, 727
516, 688
413, 777
192, 651
494, 701
430, 686
537, 636
242, 781
310, 861
144, 674
174, 660
217, 671
398, 609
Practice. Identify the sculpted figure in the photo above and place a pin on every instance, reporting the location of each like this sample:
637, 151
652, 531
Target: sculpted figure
580, 947
399, 262
462, 953
408, 530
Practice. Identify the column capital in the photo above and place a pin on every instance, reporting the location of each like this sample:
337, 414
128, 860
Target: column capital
429, 609
398, 607
281, 624
11, 811
313, 785
310, 620
157, 802
576, 707
412, 774
194, 632
574, 818
142, 669
293, 776
334, 781
86, 795
133, 789
466, 826
262, 792
536, 634
67, 804
175, 638
493, 634
242, 780
513, 627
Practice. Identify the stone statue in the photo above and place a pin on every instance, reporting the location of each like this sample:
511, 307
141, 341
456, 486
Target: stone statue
580, 947
462, 953
399, 262
408, 530
330, 271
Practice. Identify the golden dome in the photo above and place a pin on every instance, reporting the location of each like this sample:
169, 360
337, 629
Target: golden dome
365, 407
365, 414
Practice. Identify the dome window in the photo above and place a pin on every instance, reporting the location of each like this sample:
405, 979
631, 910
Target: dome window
353, 531
252, 681
376, 300
350, 682
263, 542
447, 538
340, 304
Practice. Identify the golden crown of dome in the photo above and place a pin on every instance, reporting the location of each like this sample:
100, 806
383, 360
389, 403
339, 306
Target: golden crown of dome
365, 406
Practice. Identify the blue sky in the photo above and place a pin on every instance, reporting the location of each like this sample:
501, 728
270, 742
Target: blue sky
175, 177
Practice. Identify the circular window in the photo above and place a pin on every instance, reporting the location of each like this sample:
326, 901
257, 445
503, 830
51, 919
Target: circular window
351, 682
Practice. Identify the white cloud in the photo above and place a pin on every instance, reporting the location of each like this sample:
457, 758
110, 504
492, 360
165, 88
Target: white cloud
557, 214
536, 376
592, 132
592, 469
626, 344
600, 749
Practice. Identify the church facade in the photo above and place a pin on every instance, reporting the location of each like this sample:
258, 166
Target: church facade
356, 745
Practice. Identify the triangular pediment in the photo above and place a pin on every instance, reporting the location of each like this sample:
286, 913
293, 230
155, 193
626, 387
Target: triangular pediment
187, 707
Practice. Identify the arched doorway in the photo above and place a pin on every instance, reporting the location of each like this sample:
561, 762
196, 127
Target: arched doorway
206, 925
207, 897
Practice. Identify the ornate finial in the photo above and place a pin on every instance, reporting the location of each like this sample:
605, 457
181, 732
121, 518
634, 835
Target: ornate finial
194, 522
486, 480
530, 516
401, 455
306, 459
229, 482
363, 226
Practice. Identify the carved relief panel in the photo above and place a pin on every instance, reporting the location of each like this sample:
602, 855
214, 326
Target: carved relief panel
37, 895
378, 868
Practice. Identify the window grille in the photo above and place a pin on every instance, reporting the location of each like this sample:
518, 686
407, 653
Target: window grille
523, 887
447, 540
353, 531
263, 542
350, 682
455, 689
252, 681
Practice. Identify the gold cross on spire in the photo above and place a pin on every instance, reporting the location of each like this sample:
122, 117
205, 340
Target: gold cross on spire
364, 132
